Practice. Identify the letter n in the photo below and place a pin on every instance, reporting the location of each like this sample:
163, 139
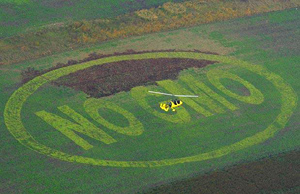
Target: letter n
83, 126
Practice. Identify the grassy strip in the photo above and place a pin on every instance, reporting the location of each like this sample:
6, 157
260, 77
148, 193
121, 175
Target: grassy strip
79, 34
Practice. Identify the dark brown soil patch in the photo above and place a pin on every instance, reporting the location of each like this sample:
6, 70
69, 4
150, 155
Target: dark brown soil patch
276, 174
111, 78
108, 79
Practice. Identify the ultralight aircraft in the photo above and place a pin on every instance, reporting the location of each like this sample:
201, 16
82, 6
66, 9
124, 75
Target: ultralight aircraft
172, 104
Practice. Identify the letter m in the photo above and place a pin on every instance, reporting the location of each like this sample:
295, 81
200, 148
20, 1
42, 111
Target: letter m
82, 125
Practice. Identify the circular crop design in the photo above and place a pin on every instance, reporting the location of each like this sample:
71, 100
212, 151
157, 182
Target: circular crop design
12, 112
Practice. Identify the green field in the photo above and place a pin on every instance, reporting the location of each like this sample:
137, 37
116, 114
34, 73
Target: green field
17, 16
163, 147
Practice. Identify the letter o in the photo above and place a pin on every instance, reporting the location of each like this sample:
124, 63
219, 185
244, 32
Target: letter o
255, 97
93, 105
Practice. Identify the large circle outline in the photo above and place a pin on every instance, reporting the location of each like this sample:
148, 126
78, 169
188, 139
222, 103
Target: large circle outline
12, 112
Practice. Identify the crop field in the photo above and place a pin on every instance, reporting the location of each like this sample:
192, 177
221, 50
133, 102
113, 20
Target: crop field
83, 121
20, 15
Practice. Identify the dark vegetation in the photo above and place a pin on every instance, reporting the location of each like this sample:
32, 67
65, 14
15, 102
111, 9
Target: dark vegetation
276, 174
111, 78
